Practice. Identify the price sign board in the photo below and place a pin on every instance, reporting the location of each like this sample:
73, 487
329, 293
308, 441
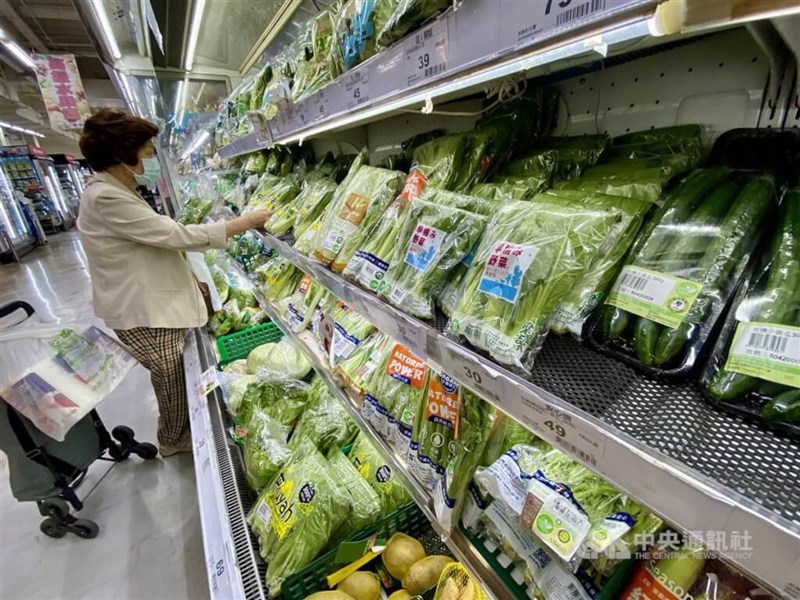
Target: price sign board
481, 379
426, 52
356, 88
320, 106
411, 335
260, 129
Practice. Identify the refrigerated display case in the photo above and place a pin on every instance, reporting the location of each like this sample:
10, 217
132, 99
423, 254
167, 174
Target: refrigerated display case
618, 68
32, 172
70, 177
18, 232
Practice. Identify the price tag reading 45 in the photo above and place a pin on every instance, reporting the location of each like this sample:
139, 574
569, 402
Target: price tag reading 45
356, 88
426, 53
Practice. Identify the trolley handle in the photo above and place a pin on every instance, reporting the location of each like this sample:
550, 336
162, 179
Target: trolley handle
14, 306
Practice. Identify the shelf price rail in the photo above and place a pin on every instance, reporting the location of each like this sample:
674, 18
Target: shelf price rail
461, 548
690, 500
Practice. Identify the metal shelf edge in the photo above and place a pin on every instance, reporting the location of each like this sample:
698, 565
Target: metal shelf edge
686, 498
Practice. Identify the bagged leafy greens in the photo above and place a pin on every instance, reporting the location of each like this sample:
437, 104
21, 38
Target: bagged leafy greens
678, 139
278, 360
300, 306
234, 388
265, 450
529, 257
371, 466
645, 189
364, 501
311, 203
433, 240
272, 193
393, 19
502, 192
437, 164
236, 367
279, 278
349, 330
297, 514
282, 400
358, 369
324, 421
357, 205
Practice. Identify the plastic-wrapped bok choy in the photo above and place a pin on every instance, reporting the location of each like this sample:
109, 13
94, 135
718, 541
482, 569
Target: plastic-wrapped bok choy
357, 205
273, 193
530, 256
433, 240
297, 514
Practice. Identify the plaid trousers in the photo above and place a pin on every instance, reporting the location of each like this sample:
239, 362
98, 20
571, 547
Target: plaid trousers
160, 351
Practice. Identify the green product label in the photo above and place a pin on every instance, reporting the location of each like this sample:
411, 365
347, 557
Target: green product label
656, 296
766, 351
554, 519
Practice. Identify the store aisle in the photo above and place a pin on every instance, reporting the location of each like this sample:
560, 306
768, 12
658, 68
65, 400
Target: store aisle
150, 546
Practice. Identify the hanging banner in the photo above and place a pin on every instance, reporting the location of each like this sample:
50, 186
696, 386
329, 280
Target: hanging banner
62, 90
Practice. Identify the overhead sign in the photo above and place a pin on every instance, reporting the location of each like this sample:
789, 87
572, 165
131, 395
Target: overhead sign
62, 91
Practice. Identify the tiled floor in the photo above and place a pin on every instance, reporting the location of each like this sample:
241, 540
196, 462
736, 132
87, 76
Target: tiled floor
149, 546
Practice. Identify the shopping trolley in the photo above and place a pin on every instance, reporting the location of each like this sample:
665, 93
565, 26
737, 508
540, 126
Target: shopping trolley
47, 471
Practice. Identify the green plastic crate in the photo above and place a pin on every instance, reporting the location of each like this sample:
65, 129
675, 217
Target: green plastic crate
238, 345
407, 519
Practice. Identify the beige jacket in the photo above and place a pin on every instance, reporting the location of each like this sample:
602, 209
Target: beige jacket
139, 275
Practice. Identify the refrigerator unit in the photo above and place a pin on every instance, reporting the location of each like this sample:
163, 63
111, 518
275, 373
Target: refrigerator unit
70, 177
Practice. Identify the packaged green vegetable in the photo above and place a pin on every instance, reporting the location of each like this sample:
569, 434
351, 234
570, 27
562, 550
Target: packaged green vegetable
280, 278
502, 192
273, 193
234, 387
437, 164
220, 282
679, 139
300, 306
364, 501
529, 257
311, 203
372, 467
357, 205
667, 299
278, 360
349, 330
297, 514
433, 240
357, 370
506, 432
649, 190
395, 18
265, 449
283, 400
755, 365
325, 421
195, 210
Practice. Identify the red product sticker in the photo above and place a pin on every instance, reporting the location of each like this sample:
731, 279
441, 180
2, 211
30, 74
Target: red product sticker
416, 182
406, 367
305, 283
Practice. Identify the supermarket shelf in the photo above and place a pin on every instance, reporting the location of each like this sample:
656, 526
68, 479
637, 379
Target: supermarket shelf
233, 566
461, 548
456, 53
700, 469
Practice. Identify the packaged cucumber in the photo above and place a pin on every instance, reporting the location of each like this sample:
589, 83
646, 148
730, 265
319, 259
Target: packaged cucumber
683, 270
529, 257
755, 365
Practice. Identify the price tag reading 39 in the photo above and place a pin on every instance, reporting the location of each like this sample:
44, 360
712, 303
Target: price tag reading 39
426, 55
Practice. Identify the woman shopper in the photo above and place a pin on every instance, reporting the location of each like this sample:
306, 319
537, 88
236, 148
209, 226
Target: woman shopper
141, 283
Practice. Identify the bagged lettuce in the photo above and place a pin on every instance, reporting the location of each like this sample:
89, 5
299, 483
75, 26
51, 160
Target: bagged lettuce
529, 257
265, 449
278, 360
371, 466
357, 205
325, 421
297, 514
365, 503
282, 400
234, 387
433, 240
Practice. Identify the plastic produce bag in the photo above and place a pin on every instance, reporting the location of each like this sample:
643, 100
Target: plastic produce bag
357, 205
272, 193
278, 360
395, 18
311, 203
324, 421
530, 256
678, 139
357, 370
55, 376
234, 387
349, 330
756, 361
644, 189
300, 306
534, 171
684, 269
505, 433
280, 278
436, 164
282, 400
432, 241
502, 192
364, 501
265, 449
297, 514
391, 492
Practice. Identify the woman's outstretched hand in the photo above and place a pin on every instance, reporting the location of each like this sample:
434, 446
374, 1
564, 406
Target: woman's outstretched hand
246, 222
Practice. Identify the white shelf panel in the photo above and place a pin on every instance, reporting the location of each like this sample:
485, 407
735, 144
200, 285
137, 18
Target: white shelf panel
453, 53
682, 495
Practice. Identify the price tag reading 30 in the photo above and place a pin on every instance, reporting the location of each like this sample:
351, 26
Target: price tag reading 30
426, 54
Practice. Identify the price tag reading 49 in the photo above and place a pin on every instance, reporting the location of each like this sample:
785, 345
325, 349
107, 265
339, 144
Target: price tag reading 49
426, 53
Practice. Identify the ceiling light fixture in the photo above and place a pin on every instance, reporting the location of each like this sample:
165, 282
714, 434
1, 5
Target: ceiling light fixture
105, 26
19, 53
194, 32
5, 125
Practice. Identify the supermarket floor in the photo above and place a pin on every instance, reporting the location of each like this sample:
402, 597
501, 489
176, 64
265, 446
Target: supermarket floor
150, 545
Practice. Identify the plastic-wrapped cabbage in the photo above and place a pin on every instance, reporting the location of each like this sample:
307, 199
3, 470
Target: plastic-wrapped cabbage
281, 360
529, 257
234, 388
357, 205
364, 501
282, 400
236, 367
433, 240
265, 449
297, 514
325, 421
379, 475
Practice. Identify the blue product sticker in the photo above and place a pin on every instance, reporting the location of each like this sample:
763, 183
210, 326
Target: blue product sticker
505, 269
423, 246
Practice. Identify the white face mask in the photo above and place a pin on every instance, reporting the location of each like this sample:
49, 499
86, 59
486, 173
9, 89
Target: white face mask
152, 171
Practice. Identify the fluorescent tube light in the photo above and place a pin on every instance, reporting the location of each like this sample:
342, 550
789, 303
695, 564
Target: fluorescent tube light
105, 26
5, 125
19, 54
198, 141
194, 32
180, 96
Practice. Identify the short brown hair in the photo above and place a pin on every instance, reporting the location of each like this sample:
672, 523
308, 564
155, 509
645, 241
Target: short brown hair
111, 137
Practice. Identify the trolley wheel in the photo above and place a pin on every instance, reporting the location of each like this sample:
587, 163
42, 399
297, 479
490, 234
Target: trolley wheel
54, 508
84, 528
122, 434
53, 528
145, 450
